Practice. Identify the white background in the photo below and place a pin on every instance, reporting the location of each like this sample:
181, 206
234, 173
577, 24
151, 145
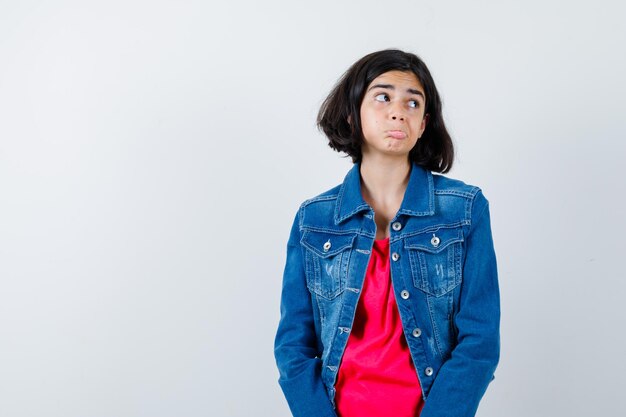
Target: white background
153, 155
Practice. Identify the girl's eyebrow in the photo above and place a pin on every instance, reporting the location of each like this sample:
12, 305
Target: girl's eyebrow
391, 87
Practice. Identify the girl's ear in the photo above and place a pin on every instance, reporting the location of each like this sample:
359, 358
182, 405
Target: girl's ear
349, 119
423, 125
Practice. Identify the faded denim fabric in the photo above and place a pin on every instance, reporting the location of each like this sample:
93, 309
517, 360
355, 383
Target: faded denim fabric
444, 275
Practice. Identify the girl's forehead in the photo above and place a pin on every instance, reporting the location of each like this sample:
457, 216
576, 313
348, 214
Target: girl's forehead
398, 77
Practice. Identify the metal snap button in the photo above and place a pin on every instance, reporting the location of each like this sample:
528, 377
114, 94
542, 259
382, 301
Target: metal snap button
395, 256
327, 246
396, 226
404, 294
417, 332
435, 241
428, 371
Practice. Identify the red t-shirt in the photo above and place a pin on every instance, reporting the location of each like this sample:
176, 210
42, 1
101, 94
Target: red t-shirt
377, 376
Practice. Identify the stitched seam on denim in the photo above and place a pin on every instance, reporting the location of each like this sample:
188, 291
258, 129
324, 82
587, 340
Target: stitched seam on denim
353, 212
468, 210
458, 267
317, 273
331, 231
439, 249
319, 198
434, 325
451, 266
416, 213
336, 252
322, 312
425, 284
308, 271
456, 193
414, 264
479, 215
336, 283
433, 228
431, 192
301, 218
334, 339
448, 351
471, 205
345, 272
338, 203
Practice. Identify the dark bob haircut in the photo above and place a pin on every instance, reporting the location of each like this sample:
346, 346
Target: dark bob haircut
434, 149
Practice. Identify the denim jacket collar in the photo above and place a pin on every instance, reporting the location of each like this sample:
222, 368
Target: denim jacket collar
419, 197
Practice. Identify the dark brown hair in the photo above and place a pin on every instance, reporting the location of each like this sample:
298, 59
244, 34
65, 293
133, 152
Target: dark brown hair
434, 149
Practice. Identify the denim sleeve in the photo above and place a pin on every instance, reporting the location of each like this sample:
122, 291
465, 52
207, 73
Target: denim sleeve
295, 346
463, 379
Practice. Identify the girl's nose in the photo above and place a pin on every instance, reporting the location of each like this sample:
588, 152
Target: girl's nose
397, 112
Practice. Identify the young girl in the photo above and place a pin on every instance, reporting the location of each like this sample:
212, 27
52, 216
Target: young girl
390, 300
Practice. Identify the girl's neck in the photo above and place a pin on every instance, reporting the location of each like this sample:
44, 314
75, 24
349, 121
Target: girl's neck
384, 181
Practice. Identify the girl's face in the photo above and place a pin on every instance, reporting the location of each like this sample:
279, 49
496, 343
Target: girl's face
392, 114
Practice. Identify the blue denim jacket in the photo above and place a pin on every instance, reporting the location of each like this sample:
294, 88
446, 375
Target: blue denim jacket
444, 276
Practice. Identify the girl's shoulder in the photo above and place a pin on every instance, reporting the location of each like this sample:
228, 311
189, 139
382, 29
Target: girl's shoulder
443, 184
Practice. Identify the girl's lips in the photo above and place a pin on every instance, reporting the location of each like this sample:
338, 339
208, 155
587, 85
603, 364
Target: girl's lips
397, 134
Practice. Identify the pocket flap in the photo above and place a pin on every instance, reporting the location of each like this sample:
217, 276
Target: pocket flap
326, 244
435, 241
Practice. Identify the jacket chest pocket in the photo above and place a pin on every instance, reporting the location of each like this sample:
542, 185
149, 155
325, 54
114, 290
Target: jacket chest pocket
327, 258
436, 259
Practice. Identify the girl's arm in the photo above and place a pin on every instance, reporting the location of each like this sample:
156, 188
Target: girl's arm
463, 379
295, 347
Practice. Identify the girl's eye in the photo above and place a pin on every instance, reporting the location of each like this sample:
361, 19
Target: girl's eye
381, 97
414, 103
